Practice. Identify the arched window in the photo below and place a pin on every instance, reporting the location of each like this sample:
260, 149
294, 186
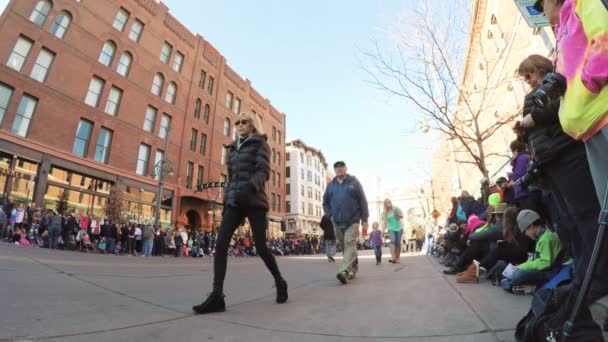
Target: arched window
493, 20
206, 114
227, 127
124, 64
490, 34
197, 108
41, 12
274, 155
107, 53
279, 158
61, 24
157, 84
171, 91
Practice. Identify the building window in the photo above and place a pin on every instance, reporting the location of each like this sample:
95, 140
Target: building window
107, 53
171, 93
178, 61
302, 173
274, 155
189, 175
199, 175
165, 53
310, 192
274, 133
94, 92
113, 102
288, 189
124, 64
234, 133
136, 29
206, 114
288, 206
61, 24
201, 81
279, 158
157, 161
274, 178
157, 84
83, 135
223, 160
310, 210
302, 158
197, 108
24, 115
20, 52
41, 12
303, 208
142, 159
288, 172
203, 146
302, 190
227, 127
5, 97
490, 34
493, 20
279, 179
278, 137
43, 64
287, 157
210, 85
229, 100
278, 203
274, 201
120, 21
102, 150
165, 123
150, 119
193, 137
237, 106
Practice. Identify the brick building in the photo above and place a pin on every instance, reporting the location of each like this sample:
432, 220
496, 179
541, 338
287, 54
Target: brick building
90, 89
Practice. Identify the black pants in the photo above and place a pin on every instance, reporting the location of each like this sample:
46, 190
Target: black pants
572, 186
511, 253
230, 222
475, 251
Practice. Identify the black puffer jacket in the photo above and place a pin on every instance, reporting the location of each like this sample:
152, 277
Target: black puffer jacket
248, 172
547, 138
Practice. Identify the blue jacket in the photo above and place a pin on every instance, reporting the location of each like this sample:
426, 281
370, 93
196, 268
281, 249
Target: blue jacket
345, 203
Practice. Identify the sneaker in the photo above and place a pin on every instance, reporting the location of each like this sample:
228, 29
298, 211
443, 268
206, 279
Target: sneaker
351, 275
342, 277
281, 291
213, 303
524, 289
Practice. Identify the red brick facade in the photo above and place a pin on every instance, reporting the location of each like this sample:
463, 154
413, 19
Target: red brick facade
49, 141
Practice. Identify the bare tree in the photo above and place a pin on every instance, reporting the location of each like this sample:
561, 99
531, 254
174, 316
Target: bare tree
427, 46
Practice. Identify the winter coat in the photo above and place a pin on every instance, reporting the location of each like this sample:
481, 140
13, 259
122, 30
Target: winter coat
56, 222
470, 206
345, 202
328, 228
493, 233
546, 138
248, 172
520, 168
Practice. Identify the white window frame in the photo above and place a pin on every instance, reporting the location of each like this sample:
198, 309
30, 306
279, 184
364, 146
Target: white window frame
86, 140
137, 28
94, 92
124, 64
102, 148
171, 94
157, 84
25, 113
165, 53
121, 15
150, 119
142, 161
178, 61
61, 24
38, 12
106, 57
21, 50
165, 124
113, 102
43, 65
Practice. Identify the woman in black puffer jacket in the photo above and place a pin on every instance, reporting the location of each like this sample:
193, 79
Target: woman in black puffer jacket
244, 196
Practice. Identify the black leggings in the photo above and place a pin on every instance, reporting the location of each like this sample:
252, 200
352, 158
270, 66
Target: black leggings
509, 252
230, 222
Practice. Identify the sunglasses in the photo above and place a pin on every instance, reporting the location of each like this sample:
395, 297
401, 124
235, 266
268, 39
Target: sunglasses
241, 122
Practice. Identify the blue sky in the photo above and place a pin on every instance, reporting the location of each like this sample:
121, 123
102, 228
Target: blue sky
305, 57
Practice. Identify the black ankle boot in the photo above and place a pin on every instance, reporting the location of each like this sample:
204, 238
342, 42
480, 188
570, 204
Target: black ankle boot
213, 303
282, 296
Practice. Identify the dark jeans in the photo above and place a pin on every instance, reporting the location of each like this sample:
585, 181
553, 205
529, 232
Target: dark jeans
111, 245
130, 246
511, 253
378, 253
54, 234
573, 189
230, 222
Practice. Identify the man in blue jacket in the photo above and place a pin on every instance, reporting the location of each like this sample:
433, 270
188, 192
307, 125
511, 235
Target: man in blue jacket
345, 203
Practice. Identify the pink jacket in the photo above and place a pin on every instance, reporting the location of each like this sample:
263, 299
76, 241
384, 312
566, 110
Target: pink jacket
473, 223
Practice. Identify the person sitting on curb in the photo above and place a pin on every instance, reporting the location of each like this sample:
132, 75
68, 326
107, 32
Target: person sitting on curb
537, 270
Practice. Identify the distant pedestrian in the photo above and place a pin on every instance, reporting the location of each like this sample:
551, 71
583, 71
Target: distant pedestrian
329, 237
375, 237
391, 221
345, 203
244, 197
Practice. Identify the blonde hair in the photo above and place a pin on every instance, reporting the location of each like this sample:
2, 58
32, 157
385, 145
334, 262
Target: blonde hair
254, 120
385, 214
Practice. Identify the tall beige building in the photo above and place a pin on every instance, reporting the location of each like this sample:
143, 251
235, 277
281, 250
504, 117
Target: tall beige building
498, 38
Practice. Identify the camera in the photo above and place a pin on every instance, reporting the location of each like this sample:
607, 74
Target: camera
553, 86
531, 176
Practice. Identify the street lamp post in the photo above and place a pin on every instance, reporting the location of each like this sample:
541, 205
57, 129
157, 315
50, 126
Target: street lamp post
161, 168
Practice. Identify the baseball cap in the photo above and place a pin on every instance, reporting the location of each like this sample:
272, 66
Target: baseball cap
538, 5
525, 219
339, 164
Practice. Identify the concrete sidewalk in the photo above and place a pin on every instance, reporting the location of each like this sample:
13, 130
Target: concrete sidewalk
71, 296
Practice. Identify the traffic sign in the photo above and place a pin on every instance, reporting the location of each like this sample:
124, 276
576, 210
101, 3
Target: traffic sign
533, 17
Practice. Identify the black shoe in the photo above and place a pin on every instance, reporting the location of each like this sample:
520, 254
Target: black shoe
213, 303
281, 291
377, 263
452, 271
342, 277
331, 259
